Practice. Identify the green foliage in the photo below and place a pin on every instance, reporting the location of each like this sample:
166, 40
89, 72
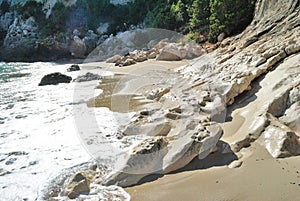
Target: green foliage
199, 13
56, 22
97, 11
230, 16
199, 18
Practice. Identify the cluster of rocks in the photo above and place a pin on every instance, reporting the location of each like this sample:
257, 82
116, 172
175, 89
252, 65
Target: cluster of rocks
133, 57
57, 78
163, 51
235, 66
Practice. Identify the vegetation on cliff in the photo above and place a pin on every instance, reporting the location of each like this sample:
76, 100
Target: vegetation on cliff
205, 18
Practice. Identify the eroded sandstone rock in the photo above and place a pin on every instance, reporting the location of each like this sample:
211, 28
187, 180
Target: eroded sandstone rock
280, 140
78, 184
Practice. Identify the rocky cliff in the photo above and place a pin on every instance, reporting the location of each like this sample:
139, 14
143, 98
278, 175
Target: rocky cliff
53, 29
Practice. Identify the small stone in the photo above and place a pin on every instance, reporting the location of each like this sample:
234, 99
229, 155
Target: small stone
173, 116
74, 67
152, 55
129, 62
235, 164
10, 161
78, 184
20, 116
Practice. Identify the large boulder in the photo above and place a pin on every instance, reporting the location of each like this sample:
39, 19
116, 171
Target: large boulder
55, 78
280, 140
169, 53
115, 59
176, 52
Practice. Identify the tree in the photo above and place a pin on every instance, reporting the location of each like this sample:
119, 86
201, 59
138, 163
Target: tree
199, 13
229, 16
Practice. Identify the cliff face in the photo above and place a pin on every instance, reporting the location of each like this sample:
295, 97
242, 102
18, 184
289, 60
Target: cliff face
266, 56
52, 29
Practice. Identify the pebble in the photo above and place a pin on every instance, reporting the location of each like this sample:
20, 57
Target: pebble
10, 161
235, 164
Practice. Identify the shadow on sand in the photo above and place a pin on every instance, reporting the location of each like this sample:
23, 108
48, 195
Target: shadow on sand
223, 156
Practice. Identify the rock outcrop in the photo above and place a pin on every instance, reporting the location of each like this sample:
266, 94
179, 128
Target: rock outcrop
180, 127
163, 51
263, 52
55, 78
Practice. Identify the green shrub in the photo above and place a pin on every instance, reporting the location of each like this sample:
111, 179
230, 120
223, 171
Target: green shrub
230, 16
199, 13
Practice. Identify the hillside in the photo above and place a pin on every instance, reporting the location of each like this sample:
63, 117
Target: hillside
51, 30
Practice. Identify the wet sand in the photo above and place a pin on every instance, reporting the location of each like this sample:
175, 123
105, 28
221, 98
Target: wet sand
126, 90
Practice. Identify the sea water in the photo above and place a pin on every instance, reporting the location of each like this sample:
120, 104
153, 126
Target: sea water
38, 133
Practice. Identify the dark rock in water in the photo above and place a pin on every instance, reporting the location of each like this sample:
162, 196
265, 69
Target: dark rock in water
21, 116
55, 78
10, 161
87, 77
74, 67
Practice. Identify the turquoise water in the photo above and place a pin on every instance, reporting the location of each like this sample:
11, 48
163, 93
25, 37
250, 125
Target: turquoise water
9, 71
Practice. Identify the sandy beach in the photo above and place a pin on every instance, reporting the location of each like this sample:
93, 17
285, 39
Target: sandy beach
256, 175
260, 177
